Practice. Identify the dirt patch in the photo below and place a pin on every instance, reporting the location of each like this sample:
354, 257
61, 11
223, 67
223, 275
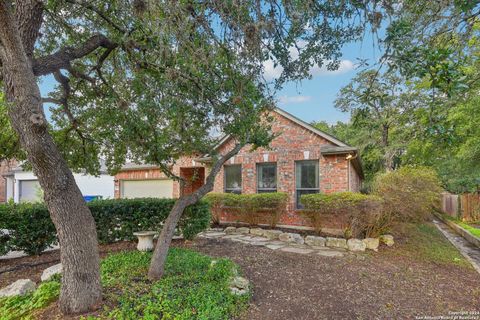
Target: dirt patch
381, 285
362, 286
31, 267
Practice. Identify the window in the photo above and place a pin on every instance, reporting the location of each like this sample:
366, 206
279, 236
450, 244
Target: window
233, 178
266, 177
306, 179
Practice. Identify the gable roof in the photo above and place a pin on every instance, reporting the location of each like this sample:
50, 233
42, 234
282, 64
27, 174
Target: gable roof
299, 122
311, 128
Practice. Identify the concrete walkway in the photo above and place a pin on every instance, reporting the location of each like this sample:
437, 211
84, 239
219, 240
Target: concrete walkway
468, 250
19, 254
274, 244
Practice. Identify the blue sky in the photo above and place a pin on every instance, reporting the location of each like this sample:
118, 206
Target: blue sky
313, 100
310, 100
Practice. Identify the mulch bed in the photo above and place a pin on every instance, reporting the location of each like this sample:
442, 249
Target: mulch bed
292, 286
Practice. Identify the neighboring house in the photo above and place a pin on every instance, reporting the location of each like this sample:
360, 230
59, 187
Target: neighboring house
23, 185
5, 167
301, 160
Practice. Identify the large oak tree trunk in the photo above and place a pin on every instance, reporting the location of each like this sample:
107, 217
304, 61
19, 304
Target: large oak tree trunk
81, 288
157, 265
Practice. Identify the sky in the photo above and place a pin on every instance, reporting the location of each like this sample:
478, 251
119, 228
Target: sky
311, 100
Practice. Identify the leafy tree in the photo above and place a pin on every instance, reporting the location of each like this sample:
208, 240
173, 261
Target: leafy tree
149, 81
378, 105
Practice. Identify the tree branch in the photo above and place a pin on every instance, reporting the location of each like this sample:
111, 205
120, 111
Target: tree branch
62, 58
101, 14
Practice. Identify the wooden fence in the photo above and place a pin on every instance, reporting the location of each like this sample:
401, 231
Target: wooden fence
465, 206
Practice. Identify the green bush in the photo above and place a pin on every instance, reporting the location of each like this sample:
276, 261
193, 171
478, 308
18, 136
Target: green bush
410, 193
253, 208
361, 214
31, 229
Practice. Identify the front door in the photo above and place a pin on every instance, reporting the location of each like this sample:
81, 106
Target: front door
194, 178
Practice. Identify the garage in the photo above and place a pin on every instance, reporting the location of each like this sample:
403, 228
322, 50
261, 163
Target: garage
160, 188
29, 190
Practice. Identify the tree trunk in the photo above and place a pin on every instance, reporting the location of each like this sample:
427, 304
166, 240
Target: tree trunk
387, 157
81, 288
157, 265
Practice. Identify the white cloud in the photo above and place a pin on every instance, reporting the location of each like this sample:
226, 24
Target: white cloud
271, 72
294, 99
344, 67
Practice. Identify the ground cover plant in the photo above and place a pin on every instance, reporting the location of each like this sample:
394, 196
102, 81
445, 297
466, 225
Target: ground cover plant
194, 287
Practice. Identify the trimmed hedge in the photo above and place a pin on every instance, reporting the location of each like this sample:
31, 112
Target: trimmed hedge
361, 214
253, 208
30, 228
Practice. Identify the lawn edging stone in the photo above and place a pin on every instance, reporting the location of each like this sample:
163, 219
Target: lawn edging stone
372, 243
18, 288
387, 239
356, 245
48, 273
291, 237
277, 239
336, 243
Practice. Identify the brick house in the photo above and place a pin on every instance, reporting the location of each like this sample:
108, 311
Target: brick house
6, 167
301, 160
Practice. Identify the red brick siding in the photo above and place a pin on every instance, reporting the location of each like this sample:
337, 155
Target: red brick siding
294, 143
5, 166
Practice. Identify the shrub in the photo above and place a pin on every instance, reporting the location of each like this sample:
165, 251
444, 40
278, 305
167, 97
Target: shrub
251, 208
30, 228
410, 193
361, 214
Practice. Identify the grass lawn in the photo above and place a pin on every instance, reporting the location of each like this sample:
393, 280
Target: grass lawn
192, 288
464, 225
426, 243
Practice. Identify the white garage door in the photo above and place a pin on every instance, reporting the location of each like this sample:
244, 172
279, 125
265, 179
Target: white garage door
29, 190
147, 188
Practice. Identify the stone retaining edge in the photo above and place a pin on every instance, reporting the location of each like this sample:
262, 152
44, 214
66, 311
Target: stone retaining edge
461, 231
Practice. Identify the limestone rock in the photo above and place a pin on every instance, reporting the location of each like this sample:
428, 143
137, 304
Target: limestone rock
257, 231
336, 243
371, 243
291, 237
51, 271
356, 245
19, 287
315, 241
230, 230
243, 230
387, 239
272, 234
239, 285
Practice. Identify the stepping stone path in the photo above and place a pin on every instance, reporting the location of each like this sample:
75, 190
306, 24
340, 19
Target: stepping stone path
269, 239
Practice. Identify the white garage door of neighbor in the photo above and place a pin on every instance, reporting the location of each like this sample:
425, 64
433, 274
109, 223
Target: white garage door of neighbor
147, 188
29, 190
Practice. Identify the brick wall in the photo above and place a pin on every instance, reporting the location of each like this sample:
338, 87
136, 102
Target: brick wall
293, 144
5, 166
